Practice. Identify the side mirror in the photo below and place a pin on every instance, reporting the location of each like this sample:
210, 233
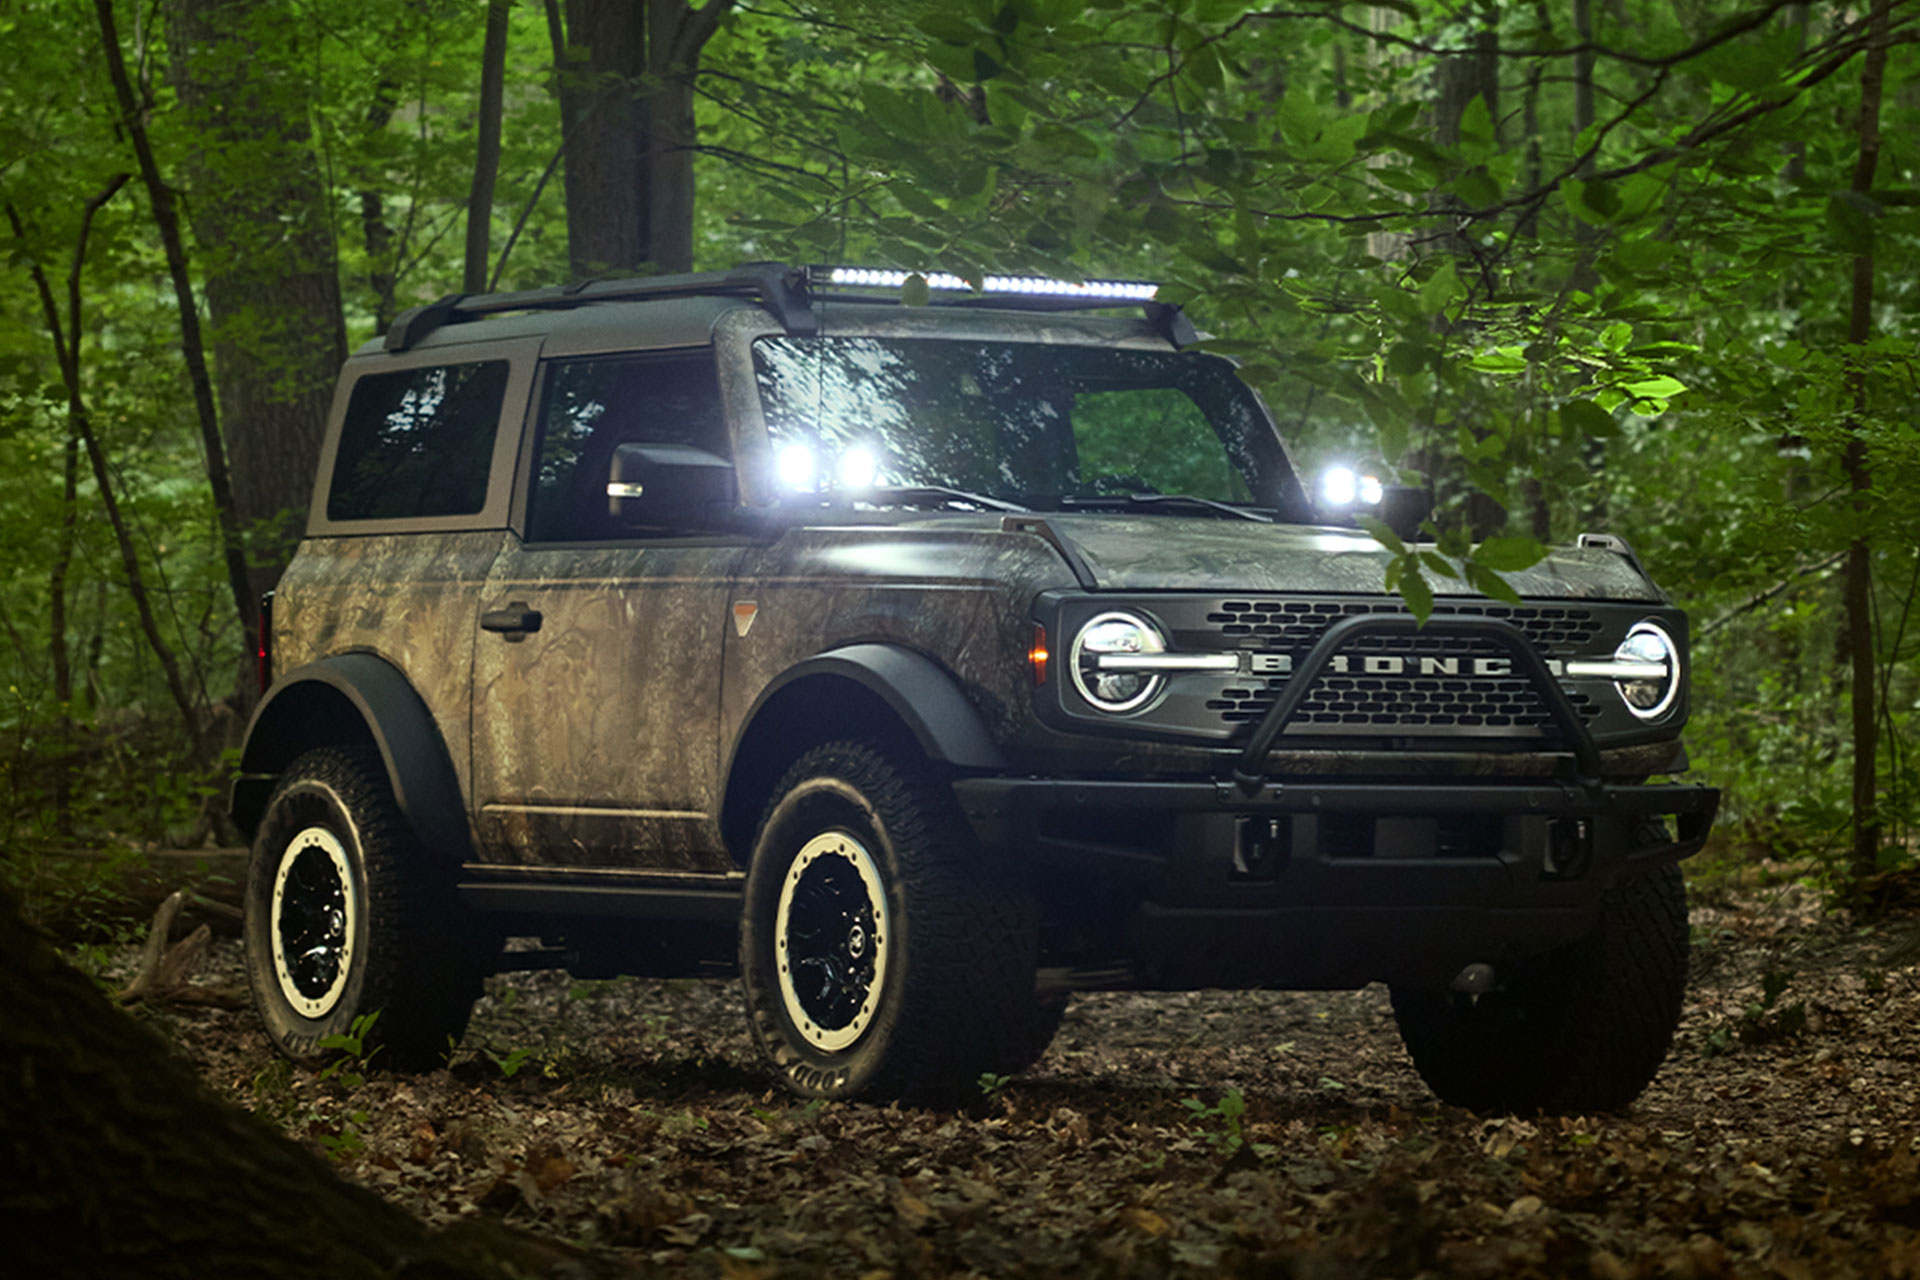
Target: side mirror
1404, 508
668, 486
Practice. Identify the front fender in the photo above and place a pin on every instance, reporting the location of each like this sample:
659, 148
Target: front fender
925, 698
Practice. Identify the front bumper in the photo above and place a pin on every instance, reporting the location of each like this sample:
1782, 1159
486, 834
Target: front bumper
1332, 884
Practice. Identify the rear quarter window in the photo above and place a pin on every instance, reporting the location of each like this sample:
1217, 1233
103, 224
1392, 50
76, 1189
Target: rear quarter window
418, 442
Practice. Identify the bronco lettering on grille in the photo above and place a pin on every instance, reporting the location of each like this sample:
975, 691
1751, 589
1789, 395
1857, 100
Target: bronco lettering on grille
1379, 664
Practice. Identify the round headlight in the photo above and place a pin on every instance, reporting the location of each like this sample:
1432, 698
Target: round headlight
1109, 686
1651, 695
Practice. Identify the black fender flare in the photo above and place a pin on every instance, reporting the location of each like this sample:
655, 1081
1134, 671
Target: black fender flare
925, 697
356, 697
917, 692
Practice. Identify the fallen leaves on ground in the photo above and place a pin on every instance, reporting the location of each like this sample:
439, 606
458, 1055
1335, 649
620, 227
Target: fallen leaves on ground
632, 1119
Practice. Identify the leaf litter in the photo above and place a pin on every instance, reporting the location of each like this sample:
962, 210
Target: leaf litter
1185, 1134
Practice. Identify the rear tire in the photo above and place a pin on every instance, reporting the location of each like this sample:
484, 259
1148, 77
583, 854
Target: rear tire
880, 957
347, 915
1581, 1029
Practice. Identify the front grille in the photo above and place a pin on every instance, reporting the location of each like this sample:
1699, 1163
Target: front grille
1421, 689
1403, 704
1408, 702
1555, 630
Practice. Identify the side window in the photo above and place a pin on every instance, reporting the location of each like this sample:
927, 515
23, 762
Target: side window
418, 442
590, 408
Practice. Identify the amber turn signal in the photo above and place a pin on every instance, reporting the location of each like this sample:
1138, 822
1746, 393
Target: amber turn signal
1037, 656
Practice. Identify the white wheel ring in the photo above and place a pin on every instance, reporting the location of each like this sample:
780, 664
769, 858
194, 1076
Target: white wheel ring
318, 839
833, 844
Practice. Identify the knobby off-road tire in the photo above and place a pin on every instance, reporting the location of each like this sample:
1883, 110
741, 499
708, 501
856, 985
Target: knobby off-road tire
1582, 1029
346, 915
880, 955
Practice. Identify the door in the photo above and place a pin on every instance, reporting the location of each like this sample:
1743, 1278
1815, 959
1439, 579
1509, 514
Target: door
597, 674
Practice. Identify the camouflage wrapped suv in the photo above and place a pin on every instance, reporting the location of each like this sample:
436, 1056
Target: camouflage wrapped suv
922, 665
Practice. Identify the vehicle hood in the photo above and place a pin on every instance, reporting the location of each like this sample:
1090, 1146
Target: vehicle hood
1159, 553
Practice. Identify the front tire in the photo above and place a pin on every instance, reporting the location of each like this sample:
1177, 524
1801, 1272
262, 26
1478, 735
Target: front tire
346, 916
880, 956
1579, 1030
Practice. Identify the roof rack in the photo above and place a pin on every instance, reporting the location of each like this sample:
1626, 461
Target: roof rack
789, 293
782, 289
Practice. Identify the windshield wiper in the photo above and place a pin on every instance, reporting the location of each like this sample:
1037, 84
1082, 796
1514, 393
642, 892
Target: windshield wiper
1175, 501
921, 495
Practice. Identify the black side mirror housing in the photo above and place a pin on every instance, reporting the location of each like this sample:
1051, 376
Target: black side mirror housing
1404, 508
669, 486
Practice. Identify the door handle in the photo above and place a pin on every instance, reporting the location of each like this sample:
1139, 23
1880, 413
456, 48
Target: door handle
515, 621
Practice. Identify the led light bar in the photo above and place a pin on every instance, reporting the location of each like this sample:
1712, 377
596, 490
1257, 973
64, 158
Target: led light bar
1029, 286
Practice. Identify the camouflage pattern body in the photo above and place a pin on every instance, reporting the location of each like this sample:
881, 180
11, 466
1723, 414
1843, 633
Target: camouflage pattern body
405, 598
959, 596
1157, 553
595, 736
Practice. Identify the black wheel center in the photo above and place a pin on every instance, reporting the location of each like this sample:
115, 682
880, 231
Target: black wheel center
831, 942
313, 922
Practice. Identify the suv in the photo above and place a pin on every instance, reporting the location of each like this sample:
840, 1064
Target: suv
923, 664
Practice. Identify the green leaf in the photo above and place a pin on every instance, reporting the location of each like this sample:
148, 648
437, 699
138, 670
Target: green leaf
1418, 594
1383, 535
1501, 360
949, 27
1477, 189
1509, 554
1644, 257
1591, 202
1658, 387
1441, 288
914, 291
1488, 583
1339, 139
1580, 418
1476, 122
1300, 118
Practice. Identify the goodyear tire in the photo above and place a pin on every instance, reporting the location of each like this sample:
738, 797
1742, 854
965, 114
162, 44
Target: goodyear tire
879, 956
346, 916
1582, 1029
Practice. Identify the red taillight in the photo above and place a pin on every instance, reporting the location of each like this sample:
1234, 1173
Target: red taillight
1037, 656
263, 652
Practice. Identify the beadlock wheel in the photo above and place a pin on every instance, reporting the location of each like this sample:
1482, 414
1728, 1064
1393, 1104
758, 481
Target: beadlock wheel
348, 915
831, 936
882, 955
314, 917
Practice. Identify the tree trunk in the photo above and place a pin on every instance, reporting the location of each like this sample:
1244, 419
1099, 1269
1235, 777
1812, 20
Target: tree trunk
626, 73
486, 165
603, 124
1859, 590
375, 233
262, 219
115, 1161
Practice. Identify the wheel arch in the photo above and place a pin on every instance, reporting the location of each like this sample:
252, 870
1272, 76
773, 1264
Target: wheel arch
355, 699
870, 691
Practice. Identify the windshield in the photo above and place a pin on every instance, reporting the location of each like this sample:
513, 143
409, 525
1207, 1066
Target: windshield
1044, 426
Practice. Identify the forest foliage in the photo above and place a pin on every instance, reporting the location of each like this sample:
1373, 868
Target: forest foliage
1583, 265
